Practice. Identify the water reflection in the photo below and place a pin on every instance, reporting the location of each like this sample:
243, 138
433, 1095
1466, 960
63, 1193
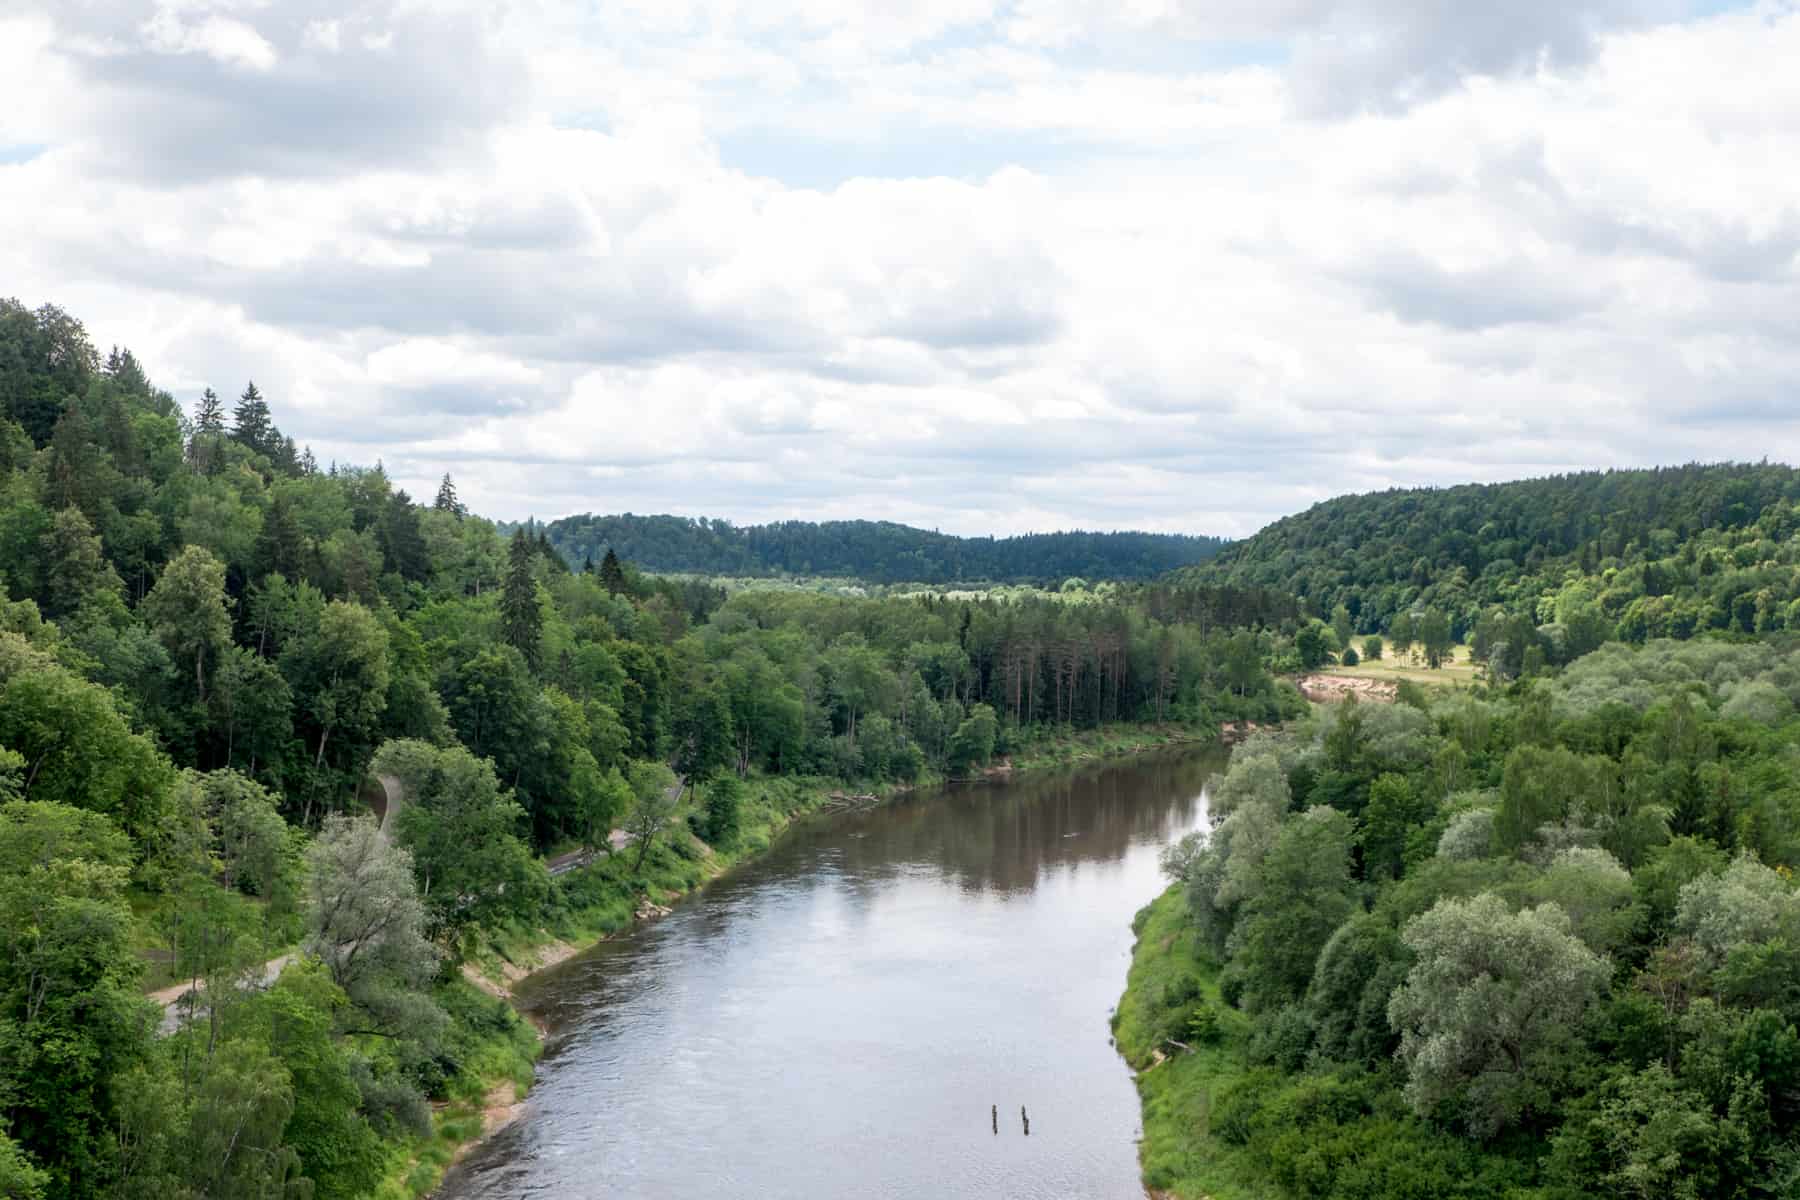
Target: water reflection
842, 1015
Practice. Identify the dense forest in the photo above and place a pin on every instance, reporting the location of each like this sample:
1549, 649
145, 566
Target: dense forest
211, 648
1536, 943
872, 551
1565, 562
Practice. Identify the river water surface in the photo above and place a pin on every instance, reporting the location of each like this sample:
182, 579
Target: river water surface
837, 1018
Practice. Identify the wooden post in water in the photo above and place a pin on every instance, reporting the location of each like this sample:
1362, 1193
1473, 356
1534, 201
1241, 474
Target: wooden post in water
1025, 1120
995, 1114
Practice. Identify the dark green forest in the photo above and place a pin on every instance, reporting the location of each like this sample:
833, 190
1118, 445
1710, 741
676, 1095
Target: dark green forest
212, 646
872, 551
1671, 552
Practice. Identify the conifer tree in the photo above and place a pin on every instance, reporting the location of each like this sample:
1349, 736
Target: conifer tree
446, 498
209, 430
250, 422
280, 544
612, 575
549, 552
403, 540
209, 415
521, 622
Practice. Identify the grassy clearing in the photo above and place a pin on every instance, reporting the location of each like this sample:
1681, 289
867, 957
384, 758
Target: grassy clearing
1170, 978
1458, 671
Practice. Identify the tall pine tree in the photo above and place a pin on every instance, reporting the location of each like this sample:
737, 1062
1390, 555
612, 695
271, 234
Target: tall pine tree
403, 542
209, 431
209, 415
280, 546
446, 498
251, 425
521, 621
612, 575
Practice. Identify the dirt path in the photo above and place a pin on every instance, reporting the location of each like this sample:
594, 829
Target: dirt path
176, 1009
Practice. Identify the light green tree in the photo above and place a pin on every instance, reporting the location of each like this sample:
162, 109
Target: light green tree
75, 570
1304, 893
71, 1016
1489, 1006
972, 745
655, 796
363, 914
463, 833
187, 610
339, 673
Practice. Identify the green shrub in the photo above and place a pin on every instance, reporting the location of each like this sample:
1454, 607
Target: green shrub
1203, 1024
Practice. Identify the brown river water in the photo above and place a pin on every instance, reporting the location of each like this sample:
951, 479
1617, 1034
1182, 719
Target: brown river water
840, 1017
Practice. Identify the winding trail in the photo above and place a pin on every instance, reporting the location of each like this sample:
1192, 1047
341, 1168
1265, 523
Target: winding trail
181, 1001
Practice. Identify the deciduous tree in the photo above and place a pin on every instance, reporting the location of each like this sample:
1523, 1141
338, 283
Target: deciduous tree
1489, 1007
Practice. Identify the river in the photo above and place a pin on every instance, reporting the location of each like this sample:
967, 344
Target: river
839, 1017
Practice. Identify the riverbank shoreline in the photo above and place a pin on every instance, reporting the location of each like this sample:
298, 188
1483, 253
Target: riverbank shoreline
524, 963
1179, 1065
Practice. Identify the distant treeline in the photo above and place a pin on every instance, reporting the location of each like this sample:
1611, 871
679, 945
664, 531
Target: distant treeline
1669, 552
876, 551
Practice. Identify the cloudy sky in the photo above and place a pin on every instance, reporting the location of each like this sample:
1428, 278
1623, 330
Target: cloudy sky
983, 265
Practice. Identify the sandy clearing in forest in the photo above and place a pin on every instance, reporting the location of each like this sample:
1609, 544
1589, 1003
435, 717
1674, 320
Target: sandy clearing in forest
1327, 689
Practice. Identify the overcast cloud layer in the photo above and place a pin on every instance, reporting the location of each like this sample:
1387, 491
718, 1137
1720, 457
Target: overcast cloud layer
984, 265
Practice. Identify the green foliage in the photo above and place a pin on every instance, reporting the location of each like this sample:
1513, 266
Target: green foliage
1304, 893
972, 745
1392, 813
339, 1151
724, 802
521, 620
80, 751
1645, 1136
71, 1019
20, 1179
1313, 645
462, 831
1576, 559
1358, 969
1488, 1006
877, 551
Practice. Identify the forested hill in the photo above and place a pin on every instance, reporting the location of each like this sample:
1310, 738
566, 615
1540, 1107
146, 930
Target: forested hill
211, 645
1672, 552
876, 551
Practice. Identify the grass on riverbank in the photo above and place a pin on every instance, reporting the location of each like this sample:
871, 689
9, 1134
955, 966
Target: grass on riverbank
494, 1050
1170, 980
1108, 741
602, 899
